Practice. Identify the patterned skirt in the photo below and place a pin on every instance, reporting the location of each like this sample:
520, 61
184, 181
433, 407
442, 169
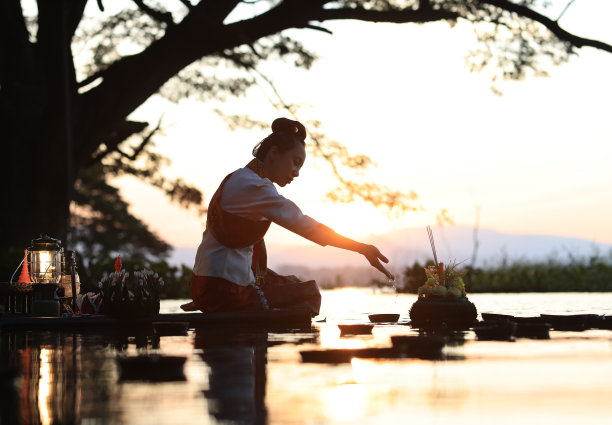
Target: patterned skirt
214, 294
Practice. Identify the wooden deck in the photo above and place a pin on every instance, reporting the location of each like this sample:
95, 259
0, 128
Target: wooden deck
273, 320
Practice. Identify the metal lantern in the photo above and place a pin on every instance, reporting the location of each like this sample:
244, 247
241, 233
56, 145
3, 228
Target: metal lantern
45, 260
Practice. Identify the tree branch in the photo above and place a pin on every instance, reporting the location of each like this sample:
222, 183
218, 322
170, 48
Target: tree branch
93, 77
396, 16
162, 17
318, 28
131, 80
216, 11
127, 129
128, 82
552, 26
187, 4
145, 141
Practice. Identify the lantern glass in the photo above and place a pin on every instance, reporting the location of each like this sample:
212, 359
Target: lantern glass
45, 260
45, 266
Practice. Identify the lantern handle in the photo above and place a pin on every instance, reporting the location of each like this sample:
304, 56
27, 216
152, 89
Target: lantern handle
11, 281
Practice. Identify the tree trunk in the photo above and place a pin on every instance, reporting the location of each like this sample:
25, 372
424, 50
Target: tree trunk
37, 130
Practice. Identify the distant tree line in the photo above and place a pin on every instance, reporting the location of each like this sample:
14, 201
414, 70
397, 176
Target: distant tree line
592, 274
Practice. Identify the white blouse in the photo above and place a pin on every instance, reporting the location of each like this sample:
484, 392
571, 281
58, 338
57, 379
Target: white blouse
249, 196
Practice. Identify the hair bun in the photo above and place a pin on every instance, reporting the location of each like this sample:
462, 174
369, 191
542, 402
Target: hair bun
285, 125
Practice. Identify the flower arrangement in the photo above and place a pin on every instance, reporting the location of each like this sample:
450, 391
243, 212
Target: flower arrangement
442, 302
130, 295
443, 282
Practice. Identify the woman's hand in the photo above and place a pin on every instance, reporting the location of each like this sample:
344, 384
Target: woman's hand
370, 252
374, 257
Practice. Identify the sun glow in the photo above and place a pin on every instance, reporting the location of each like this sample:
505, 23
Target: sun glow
353, 219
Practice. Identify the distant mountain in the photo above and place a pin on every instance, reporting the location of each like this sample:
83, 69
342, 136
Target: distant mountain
457, 243
404, 247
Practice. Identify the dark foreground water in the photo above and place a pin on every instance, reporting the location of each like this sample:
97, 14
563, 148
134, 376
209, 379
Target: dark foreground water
258, 377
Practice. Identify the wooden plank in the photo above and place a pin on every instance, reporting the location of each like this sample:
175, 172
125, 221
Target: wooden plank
270, 319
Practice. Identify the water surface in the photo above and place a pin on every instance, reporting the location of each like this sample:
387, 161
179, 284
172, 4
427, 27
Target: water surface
246, 376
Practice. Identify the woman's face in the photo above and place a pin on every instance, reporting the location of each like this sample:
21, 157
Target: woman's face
284, 167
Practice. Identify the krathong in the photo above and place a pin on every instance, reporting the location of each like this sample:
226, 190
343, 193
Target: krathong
443, 282
442, 300
126, 294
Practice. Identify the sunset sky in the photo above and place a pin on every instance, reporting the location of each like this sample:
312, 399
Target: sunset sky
535, 160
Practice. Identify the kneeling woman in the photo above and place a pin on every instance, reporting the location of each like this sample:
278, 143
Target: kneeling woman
230, 272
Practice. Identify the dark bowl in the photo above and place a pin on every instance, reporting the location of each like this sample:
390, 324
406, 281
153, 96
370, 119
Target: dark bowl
344, 355
327, 356
496, 316
443, 313
570, 322
603, 322
384, 318
356, 329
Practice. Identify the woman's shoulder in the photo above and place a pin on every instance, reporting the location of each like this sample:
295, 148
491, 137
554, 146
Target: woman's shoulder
244, 179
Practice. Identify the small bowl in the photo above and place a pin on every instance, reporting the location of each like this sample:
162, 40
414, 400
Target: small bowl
384, 318
356, 329
494, 316
344, 355
170, 328
571, 322
327, 356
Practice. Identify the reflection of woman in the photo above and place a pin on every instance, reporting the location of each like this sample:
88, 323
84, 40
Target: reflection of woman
236, 374
230, 272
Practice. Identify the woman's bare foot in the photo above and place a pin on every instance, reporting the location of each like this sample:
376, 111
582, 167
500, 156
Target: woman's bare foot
190, 306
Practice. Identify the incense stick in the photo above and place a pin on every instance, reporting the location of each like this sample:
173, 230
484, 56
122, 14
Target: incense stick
433, 245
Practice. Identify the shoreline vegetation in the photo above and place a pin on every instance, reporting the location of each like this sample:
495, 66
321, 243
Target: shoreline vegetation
593, 274
589, 274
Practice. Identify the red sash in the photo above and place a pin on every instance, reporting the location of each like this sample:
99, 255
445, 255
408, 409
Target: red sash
234, 231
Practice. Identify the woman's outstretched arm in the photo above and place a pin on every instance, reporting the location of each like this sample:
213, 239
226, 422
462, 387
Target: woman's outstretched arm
262, 198
370, 252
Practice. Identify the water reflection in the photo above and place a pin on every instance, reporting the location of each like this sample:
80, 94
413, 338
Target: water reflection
59, 377
44, 392
44, 386
344, 402
65, 378
237, 374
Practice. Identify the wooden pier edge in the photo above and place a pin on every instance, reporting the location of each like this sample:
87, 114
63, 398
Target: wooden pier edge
272, 319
